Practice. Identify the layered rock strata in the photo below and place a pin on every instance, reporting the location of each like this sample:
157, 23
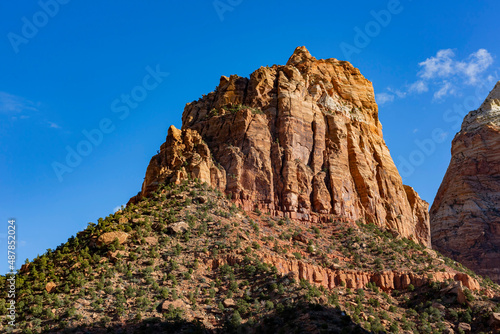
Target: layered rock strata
387, 280
300, 140
465, 215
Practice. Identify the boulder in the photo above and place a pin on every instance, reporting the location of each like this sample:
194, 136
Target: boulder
116, 255
465, 327
178, 228
455, 288
301, 238
229, 302
50, 287
151, 241
109, 237
25, 268
167, 304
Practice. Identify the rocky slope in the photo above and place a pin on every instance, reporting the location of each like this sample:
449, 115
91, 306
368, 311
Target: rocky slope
301, 140
188, 260
465, 216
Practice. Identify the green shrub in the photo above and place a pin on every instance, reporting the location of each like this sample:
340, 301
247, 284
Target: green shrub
236, 319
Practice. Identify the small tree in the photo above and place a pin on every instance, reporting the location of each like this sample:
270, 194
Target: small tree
236, 319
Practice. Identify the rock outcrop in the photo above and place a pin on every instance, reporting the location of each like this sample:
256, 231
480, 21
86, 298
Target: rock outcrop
354, 279
465, 216
110, 237
50, 287
300, 140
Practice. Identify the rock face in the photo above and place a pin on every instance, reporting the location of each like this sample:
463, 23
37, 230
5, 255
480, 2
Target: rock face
356, 279
300, 140
465, 216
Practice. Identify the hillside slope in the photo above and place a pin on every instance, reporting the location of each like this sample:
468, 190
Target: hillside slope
187, 259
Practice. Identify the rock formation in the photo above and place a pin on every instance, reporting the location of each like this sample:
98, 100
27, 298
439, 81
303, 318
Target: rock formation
353, 279
465, 216
300, 140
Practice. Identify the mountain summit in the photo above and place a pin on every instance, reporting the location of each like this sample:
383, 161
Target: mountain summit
301, 140
466, 212
488, 113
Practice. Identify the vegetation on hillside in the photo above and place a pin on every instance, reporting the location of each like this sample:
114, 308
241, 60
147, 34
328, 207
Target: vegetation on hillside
193, 261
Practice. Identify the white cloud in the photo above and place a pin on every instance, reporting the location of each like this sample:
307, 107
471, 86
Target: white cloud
12, 104
443, 65
446, 89
383, 98
53, 125
418, 87
20, 108
443, 75
397, 92
439, 66
477, 63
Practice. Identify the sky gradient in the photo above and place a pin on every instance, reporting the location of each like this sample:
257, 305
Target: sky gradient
117, 74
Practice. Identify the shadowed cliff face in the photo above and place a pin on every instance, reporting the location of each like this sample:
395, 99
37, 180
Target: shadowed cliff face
300, 140
465, 215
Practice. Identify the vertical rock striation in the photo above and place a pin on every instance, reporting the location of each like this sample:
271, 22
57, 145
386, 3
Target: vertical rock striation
465, 215
303, 139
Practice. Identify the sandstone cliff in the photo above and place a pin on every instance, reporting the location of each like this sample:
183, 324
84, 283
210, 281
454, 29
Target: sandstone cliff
352, 279
301, 140
465, 216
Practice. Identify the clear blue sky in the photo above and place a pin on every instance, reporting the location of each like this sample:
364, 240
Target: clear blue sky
69, 67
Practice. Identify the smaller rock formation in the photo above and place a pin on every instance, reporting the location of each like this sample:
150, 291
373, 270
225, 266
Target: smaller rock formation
465, 216
183, 154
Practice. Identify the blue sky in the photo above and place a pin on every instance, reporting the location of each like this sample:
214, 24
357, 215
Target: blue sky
120, 72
